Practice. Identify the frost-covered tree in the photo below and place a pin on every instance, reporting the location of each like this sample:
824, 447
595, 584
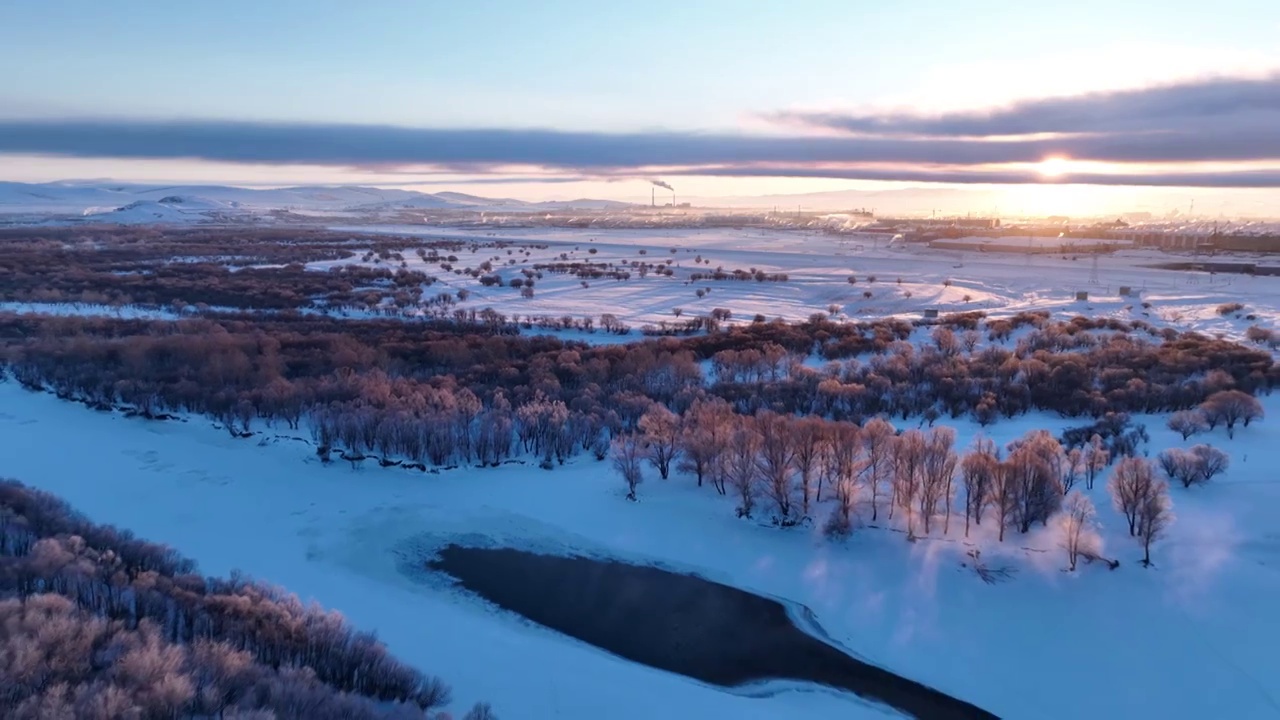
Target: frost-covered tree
877, 440
908, 469
1078, 524
1198, 465
1155, 515
1208, 462
845, 464
629, 453
1036, 463
937, 476
1003, 497
1096, 457
703, 438
809, 436
661, 429
1229, 407
1130, 485
776, 459
1072, 468
740, 467
1188, 422
977, 472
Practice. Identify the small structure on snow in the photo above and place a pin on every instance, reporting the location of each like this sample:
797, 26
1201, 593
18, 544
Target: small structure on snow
930, 313
1082, 294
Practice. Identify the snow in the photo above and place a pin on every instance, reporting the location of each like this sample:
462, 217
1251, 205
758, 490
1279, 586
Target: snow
818, 266
87, 310
127, 203
1188, 638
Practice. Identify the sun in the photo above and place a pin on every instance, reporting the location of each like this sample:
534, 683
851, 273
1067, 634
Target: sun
1053, 167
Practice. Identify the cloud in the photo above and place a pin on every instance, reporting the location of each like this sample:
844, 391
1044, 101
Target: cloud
1236, 179
1220, 121
1211, 112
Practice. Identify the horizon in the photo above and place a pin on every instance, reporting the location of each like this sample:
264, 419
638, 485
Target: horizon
1182, 105
974, 200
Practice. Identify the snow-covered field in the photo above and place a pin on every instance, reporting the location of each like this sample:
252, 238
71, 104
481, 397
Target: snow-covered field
1191, 637
818, 267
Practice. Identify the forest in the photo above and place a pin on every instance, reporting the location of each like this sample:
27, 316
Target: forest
738, 408
96, 623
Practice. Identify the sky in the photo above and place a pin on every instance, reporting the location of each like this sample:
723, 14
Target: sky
563, 99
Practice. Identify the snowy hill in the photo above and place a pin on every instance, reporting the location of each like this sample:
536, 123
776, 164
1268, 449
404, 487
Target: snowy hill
582, 204
105, 201
170, 209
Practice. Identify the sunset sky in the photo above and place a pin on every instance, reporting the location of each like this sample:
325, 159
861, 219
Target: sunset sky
567, 99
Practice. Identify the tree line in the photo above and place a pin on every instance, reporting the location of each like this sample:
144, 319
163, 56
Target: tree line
786, 467
350, 377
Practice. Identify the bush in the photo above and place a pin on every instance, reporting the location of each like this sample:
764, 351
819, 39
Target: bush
837, 526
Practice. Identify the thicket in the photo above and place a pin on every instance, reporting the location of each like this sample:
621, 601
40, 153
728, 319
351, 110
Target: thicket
96, 623
440, 393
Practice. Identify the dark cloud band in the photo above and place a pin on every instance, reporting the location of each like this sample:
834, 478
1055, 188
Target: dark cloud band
1209, 109
1213, 120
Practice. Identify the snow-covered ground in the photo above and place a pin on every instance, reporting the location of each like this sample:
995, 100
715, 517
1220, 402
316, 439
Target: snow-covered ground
818, 267
908, 280
1191, 637
87, 310
135, 204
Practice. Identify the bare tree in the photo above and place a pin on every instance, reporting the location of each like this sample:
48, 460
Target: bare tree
1208, 462
937, 475
846, 464
1078, 522
908, 470
944, 339
480, 711
1176, 464
1155, 515
1072, 468
1096, 457
1188, 422
628, 455
740, 468
809, 434
1130, 485
977, 472
1198, 465
1035, 460
1230, 407
661, 429
703, 438
776, 458
877, 440
1003, 497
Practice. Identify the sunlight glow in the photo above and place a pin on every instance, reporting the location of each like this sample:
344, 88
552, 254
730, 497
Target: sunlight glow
1054, 167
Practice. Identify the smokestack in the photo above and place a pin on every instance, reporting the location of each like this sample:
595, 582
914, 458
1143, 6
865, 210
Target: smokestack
653, 197
673, 198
